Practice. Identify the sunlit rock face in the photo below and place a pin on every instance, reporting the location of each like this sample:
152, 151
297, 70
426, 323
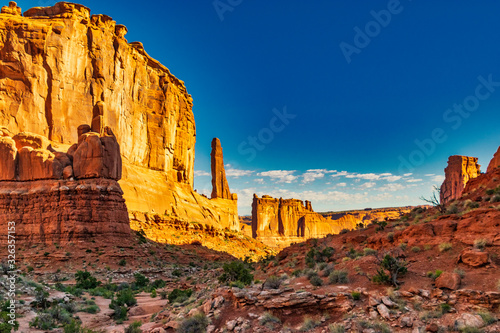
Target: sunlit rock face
459, 171
282, 221
62, 67
495, 162
55, 196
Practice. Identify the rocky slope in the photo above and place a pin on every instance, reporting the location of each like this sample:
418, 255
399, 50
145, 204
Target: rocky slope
62, 67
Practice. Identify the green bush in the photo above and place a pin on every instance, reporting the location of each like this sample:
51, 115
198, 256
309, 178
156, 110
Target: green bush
488, 317
163, 294
369, 252
445, 247
415, 249
395, 267
124, 296
41, 298
157, 284
153, 293
236, 271
195, 324
5, 327
140, 280
122, 262
445, 308
272, 282
91, 309
135, 327
85, 280
316, 281
356, 295
338, 277
268, 320
179, 296
309, 324
336, 328
434, 275
43, 321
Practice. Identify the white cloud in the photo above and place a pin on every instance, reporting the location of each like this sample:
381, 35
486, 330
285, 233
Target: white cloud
312, 175
342, 184
430, 175
340, 174
408, 174
413, 180
392, 187
279, 176
365, 176
392, 178
367, 185
236, 173
438, 179
200, 173
259, 180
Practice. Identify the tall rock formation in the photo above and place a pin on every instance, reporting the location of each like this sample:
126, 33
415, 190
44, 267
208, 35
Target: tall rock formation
283, 221
220, 188
53, 196
495, 162
61, 67
459, 171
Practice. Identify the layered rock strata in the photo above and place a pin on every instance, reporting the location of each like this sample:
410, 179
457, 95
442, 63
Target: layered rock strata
61, 67
55, 196
459, 171
283, 221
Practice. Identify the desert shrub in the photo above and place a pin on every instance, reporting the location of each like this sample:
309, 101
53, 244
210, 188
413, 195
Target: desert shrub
309, 324
124, 296
390, 237
471, 204
140, 280
163, 294
236, 271
85, 280
153, 293
272, 282
41, 298
135, 327
369, 252
327, 270
43, 321
91, 309
403, 246
380, 225
122, 262
434, 275
5, 326
471, 329
445, 308
75, 327
376, 326
480, 244
460, 272
495, 198
297, 273
356, 295
157, 284
336, 328
316, 280
395, 266
195, 324
119, 313
268, 320
338, 277
488, 317
343, 231
179, 296
415, 249
445, 247
453, 209
101, 291
177, 272
315, 255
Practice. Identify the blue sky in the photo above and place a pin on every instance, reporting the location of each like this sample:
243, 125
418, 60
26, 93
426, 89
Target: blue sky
335, 94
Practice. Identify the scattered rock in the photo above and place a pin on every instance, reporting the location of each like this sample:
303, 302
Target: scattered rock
448, 280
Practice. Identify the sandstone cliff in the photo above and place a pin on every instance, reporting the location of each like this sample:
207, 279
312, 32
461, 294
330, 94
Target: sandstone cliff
53, 196
351, 219
459, 171
495, 161
61, 67
283, 221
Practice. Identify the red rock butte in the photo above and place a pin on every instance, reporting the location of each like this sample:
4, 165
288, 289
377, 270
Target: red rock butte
62, 67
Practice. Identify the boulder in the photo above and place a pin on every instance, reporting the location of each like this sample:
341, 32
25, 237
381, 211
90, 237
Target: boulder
88, 160
448, 281
12, 9
474, 258
468, 320
495, 162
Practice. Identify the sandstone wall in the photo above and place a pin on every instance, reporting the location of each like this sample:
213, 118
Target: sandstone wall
54, 196
278, 222
495, 162
459, 171
61, 67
